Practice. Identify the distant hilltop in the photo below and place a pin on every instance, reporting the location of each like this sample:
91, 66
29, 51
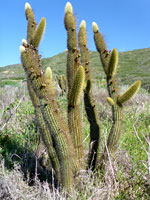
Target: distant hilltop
133, 65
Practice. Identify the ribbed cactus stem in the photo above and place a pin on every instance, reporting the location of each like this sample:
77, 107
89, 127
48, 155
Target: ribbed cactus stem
113, 63
129, 93
52, 117
82, 34
88, 87
101, 47
115, 132
77, 88
109, 63
88, 99
72, 57
74, 116
45, 133
49, 80
31, 22
39, 33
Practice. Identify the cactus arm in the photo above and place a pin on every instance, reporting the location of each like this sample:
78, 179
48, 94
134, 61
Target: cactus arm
109, 63
72, 57
115, 132
131, 91
117, 115
101, 47
113, 63
74, 116
39, 33
89, 101
77, 88
31, 22
49, 80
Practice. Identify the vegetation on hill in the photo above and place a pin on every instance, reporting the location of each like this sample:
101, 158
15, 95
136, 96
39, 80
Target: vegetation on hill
133, 65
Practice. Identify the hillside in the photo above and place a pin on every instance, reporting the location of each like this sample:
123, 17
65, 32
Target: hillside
24, 168
133, 65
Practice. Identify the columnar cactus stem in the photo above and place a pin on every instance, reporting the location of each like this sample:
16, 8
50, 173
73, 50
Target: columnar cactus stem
88, 99
112, 87
52, 117
110, 63
72, 57
132, 90
74, 118
39, 33
44, 131
48, 113
31, 22
101, 47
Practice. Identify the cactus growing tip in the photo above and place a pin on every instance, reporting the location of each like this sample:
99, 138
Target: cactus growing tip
95, 27
22, 49
83, 24
27, 5
24, 42
48, 73
68, 8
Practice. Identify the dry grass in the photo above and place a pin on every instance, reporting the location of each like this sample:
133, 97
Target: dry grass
13, 187
91, 187
118, 175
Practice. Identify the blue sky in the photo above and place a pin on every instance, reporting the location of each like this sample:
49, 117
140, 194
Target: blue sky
125, 25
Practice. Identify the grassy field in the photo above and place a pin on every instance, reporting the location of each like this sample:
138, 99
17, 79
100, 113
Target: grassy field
22, 176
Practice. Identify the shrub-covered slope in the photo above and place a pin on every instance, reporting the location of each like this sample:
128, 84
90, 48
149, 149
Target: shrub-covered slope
133, 65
